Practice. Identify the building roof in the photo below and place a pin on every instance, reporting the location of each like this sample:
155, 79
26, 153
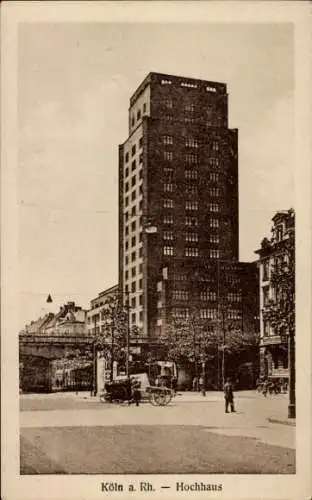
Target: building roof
153, 77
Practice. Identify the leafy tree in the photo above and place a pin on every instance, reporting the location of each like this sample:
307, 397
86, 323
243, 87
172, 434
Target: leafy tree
112, 338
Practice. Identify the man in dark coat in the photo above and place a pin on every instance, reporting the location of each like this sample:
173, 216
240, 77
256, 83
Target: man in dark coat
228, 396
136, 391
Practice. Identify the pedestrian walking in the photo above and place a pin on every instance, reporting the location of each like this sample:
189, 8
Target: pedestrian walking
136, 391
195, 384
228, 396
202, 386
265, 388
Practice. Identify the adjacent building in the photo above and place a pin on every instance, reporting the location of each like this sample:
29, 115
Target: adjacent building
276, 253
96, 318
178, 208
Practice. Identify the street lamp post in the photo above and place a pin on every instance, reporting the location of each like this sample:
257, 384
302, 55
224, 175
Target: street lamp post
292, 376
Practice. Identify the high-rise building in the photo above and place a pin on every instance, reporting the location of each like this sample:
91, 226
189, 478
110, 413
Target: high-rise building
178, 175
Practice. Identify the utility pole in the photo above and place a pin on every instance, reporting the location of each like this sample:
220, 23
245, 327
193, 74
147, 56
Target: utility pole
292, 376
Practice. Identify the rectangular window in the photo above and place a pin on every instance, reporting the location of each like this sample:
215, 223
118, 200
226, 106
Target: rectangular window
140, 252
126, 172
168, 235
141, 142
133, 286
191, 237
133, 179
168, 219
214, 222
127, 230
140, 300
140, 268
191, 221
126, 275
214, 192
234, 314
144, 107
191, 205
180, 277
168, 155
266, 270
189, 108
139, 114
215, 146
133, 318
180, 312
133, 226
234, 297
168, 171
168, 203
214, 238
208, 295
141, 159
127, 186
133, 210
133, 302
180, 295
191, 159
133, 272
191, 174
168, 103
133, 242
133, 255
168, 250
192, 189
266, 296
214, 162
133, 195
133, 150
191, 252
126, 201
213, 207
141, 316
213, 177
127, 157
169, 188
167, 139
214, 254
126, 245
208, 313
133, 165
140, 284
191, 143
141, 174
126, 260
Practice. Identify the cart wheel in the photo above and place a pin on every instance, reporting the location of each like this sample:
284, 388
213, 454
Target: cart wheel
161, 398
168, 397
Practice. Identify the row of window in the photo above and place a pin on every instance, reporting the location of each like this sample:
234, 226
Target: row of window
191, 252
193, 222
191, 205
170, 187
190, 142
133, 150
193, 174
192, 159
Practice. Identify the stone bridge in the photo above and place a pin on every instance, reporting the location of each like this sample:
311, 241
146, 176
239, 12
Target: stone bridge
53, 346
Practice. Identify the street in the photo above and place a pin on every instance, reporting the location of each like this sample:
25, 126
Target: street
76, 434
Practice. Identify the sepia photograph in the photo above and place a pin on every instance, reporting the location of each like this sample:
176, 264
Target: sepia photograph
155, 222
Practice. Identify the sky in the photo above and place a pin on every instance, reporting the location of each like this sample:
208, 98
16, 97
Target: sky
74, 85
